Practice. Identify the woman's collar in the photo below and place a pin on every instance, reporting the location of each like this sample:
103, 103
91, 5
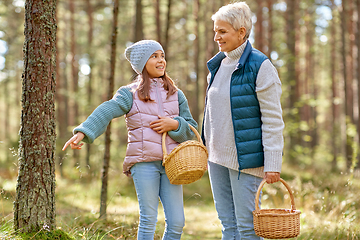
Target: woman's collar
237, 52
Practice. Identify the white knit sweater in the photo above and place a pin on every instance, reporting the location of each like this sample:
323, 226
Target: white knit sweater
218, 126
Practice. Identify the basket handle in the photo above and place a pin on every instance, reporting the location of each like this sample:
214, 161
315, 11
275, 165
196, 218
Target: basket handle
293, 208
164, 136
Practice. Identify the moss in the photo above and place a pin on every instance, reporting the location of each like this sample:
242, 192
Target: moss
46, 235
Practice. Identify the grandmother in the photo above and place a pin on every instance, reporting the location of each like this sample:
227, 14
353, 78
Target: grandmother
243, 124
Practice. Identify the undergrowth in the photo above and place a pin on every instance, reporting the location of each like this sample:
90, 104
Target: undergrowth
328, 202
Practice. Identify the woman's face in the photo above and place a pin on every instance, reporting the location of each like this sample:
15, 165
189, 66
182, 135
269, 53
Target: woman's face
156, 64
227, 37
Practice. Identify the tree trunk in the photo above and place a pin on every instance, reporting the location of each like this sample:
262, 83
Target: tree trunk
259, 30
334, 89
309, 86
34, 206
74, 73
348, 104
7, 120
106, 164
61, 116
350, 58
65, 118
187, 47
211, 46
167, 28
358, 75
195, 105
74, 64
157, 20
138, 33
270, 28
292, 77
89, 9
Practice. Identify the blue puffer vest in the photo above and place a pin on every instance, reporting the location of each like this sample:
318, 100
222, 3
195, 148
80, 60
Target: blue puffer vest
245, 108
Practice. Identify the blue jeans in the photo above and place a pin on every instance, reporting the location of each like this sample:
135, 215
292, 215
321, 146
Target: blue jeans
234, 198
151, 183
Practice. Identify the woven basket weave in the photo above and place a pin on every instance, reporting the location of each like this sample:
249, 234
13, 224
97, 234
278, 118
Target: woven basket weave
276, 223
187, 162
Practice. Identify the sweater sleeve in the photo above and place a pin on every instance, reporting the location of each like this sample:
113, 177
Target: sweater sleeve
268, 89
183, 132
96, 123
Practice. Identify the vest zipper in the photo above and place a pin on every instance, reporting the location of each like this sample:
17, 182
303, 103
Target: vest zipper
160, 105
159, 99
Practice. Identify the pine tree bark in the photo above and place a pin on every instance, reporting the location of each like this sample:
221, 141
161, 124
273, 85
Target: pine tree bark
106, 163
34, 206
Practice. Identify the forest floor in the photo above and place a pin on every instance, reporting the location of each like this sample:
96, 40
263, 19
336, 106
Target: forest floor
329, 204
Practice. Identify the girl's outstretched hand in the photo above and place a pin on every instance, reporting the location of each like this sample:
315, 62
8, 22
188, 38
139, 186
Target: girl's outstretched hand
74, 141
164, 124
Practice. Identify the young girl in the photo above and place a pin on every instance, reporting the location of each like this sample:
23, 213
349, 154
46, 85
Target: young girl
152, 104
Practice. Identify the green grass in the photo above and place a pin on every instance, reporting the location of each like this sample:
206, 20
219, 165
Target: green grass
329, 204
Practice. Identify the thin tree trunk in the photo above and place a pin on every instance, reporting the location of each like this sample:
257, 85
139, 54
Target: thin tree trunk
292, 77
195, 105
270, 28
74, 72
167, 28
358, 76
89, 9
348, 104
211, 47
60, 101
186, 88
259, 30
350, 59
63, 81
139, 33
7, 120
308, 80
106, 164
34, 206
74, 64
334, 90
157, 20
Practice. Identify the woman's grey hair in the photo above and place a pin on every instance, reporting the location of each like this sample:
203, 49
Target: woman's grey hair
238, 14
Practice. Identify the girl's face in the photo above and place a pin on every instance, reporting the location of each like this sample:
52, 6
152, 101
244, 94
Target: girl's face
156, 64
227, 37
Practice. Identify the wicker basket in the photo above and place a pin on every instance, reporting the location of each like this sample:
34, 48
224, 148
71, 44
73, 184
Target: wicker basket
187, 162
276, 223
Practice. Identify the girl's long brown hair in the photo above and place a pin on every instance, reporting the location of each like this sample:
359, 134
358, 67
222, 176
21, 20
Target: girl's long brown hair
144, 86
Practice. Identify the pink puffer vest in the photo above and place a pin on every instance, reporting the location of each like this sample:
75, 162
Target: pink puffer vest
144, 144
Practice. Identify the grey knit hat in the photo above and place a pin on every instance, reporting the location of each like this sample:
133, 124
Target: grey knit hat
139, 53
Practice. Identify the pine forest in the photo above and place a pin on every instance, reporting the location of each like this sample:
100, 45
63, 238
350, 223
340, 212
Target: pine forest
60, 59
